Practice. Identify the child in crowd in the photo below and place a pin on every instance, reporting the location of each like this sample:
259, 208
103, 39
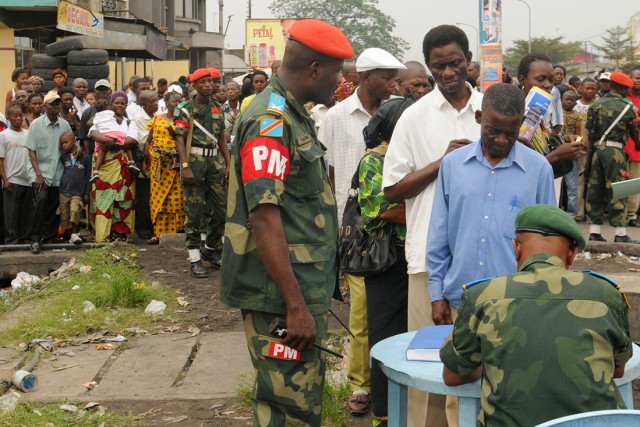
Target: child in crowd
574, 181
74, 185
105, 122
14, 170
91, 98
588, 91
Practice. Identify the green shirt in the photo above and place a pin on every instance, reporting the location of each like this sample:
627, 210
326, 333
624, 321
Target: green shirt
371, 196
210, 116
603, 112
277, 159
44, 138
548, 340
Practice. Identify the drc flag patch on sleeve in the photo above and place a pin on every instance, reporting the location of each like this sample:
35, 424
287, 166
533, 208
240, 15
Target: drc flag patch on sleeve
276, 103
271, 127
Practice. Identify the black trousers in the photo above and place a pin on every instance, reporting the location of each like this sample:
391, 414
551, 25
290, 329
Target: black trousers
45, 220
144, 227
18, 210
387, 300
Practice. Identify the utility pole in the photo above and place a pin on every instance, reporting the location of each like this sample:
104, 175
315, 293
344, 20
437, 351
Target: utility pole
249, 1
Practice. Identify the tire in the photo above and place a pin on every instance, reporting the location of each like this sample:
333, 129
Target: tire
64, 46
88, 57
45, 73
47, 86
46, 61
89, 71
91, 83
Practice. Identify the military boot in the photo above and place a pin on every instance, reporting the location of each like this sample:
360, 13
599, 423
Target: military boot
212, 256
198, 270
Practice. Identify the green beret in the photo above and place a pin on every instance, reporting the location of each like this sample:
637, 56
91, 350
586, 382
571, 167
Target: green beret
550, 221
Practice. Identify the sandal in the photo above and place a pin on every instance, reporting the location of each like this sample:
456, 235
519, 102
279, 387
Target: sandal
153, 241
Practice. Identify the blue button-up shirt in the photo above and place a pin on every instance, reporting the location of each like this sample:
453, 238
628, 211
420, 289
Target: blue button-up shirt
473, 218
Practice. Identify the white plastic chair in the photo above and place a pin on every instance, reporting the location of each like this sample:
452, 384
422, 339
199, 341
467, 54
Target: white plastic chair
611, 418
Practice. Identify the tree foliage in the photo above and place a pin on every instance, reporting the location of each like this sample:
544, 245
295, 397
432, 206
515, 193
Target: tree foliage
618, 48
362, 22
555, 48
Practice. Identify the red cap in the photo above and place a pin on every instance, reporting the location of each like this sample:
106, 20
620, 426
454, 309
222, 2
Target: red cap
199, 74
215, 73
621, 78
321, 37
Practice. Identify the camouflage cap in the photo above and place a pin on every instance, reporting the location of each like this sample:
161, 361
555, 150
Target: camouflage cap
550, 221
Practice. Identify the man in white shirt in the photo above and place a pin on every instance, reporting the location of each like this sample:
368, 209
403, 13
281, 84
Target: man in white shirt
137, 87
341, 132
439, 122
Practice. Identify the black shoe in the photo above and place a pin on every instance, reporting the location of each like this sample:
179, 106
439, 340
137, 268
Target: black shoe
633, 223
625, 239
36, 248
212, 256
198, 271
597, 237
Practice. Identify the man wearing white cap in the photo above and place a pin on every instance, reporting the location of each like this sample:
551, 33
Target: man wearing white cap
341, 132
43, 142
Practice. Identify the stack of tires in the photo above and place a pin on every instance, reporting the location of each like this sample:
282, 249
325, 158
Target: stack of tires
90, 64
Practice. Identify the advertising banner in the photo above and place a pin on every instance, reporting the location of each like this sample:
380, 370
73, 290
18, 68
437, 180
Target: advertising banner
265, 41
79, 20
490, 43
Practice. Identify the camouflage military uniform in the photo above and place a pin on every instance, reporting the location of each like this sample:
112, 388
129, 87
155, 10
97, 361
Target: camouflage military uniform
207, 197
609, 159
277, 159
548, 340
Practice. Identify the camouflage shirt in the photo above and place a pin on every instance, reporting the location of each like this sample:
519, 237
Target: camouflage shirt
210, 116
548, 340
277, 159
603, 112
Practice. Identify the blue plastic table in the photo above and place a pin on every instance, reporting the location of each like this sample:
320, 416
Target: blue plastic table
427, 376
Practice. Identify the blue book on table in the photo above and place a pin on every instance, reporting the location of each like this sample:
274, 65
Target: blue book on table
426, 344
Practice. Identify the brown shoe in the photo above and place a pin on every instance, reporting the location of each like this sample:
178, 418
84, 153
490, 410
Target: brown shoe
359, 403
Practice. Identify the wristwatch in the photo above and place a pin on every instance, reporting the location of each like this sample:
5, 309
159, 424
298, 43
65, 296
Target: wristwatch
185, 165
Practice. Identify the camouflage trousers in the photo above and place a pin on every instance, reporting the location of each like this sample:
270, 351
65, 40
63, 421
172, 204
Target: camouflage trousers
206, 200
289, 384
607, 166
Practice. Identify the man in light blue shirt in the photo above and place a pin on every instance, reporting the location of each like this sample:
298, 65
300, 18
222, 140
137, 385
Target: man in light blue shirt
43, 142
480, 190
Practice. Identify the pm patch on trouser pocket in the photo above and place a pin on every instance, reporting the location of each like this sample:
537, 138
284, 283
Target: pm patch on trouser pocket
288, 387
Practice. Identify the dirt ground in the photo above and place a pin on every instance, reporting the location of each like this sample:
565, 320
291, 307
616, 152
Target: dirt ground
171, 267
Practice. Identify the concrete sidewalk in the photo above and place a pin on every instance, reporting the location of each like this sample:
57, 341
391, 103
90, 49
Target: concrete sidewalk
152, 367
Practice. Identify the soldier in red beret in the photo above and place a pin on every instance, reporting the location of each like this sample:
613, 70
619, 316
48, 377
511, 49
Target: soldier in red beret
610, 121
279, 257
204, 157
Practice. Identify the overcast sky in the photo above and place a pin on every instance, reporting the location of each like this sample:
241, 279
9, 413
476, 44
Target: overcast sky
576, 20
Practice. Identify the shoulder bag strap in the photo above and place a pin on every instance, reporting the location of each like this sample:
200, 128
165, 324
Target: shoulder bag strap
615, 122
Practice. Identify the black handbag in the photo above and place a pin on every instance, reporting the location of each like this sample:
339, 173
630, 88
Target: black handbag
562, 167
362, 253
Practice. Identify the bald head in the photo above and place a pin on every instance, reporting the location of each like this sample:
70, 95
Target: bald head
473, 69
350, 73
414, 79
527, 244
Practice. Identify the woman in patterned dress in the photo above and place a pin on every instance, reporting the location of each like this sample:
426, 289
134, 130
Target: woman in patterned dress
114, 191
167, 209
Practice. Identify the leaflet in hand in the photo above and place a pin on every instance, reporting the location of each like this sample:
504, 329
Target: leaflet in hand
536, 105
426, 344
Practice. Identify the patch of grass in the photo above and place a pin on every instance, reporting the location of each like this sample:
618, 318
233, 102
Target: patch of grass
113, 285
244, 391
32, 414
334, 402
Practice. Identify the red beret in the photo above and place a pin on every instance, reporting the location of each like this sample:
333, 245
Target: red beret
621, 79
199, 74
322, 37
215, 73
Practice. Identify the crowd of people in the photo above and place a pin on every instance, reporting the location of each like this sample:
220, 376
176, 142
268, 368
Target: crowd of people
257, 176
